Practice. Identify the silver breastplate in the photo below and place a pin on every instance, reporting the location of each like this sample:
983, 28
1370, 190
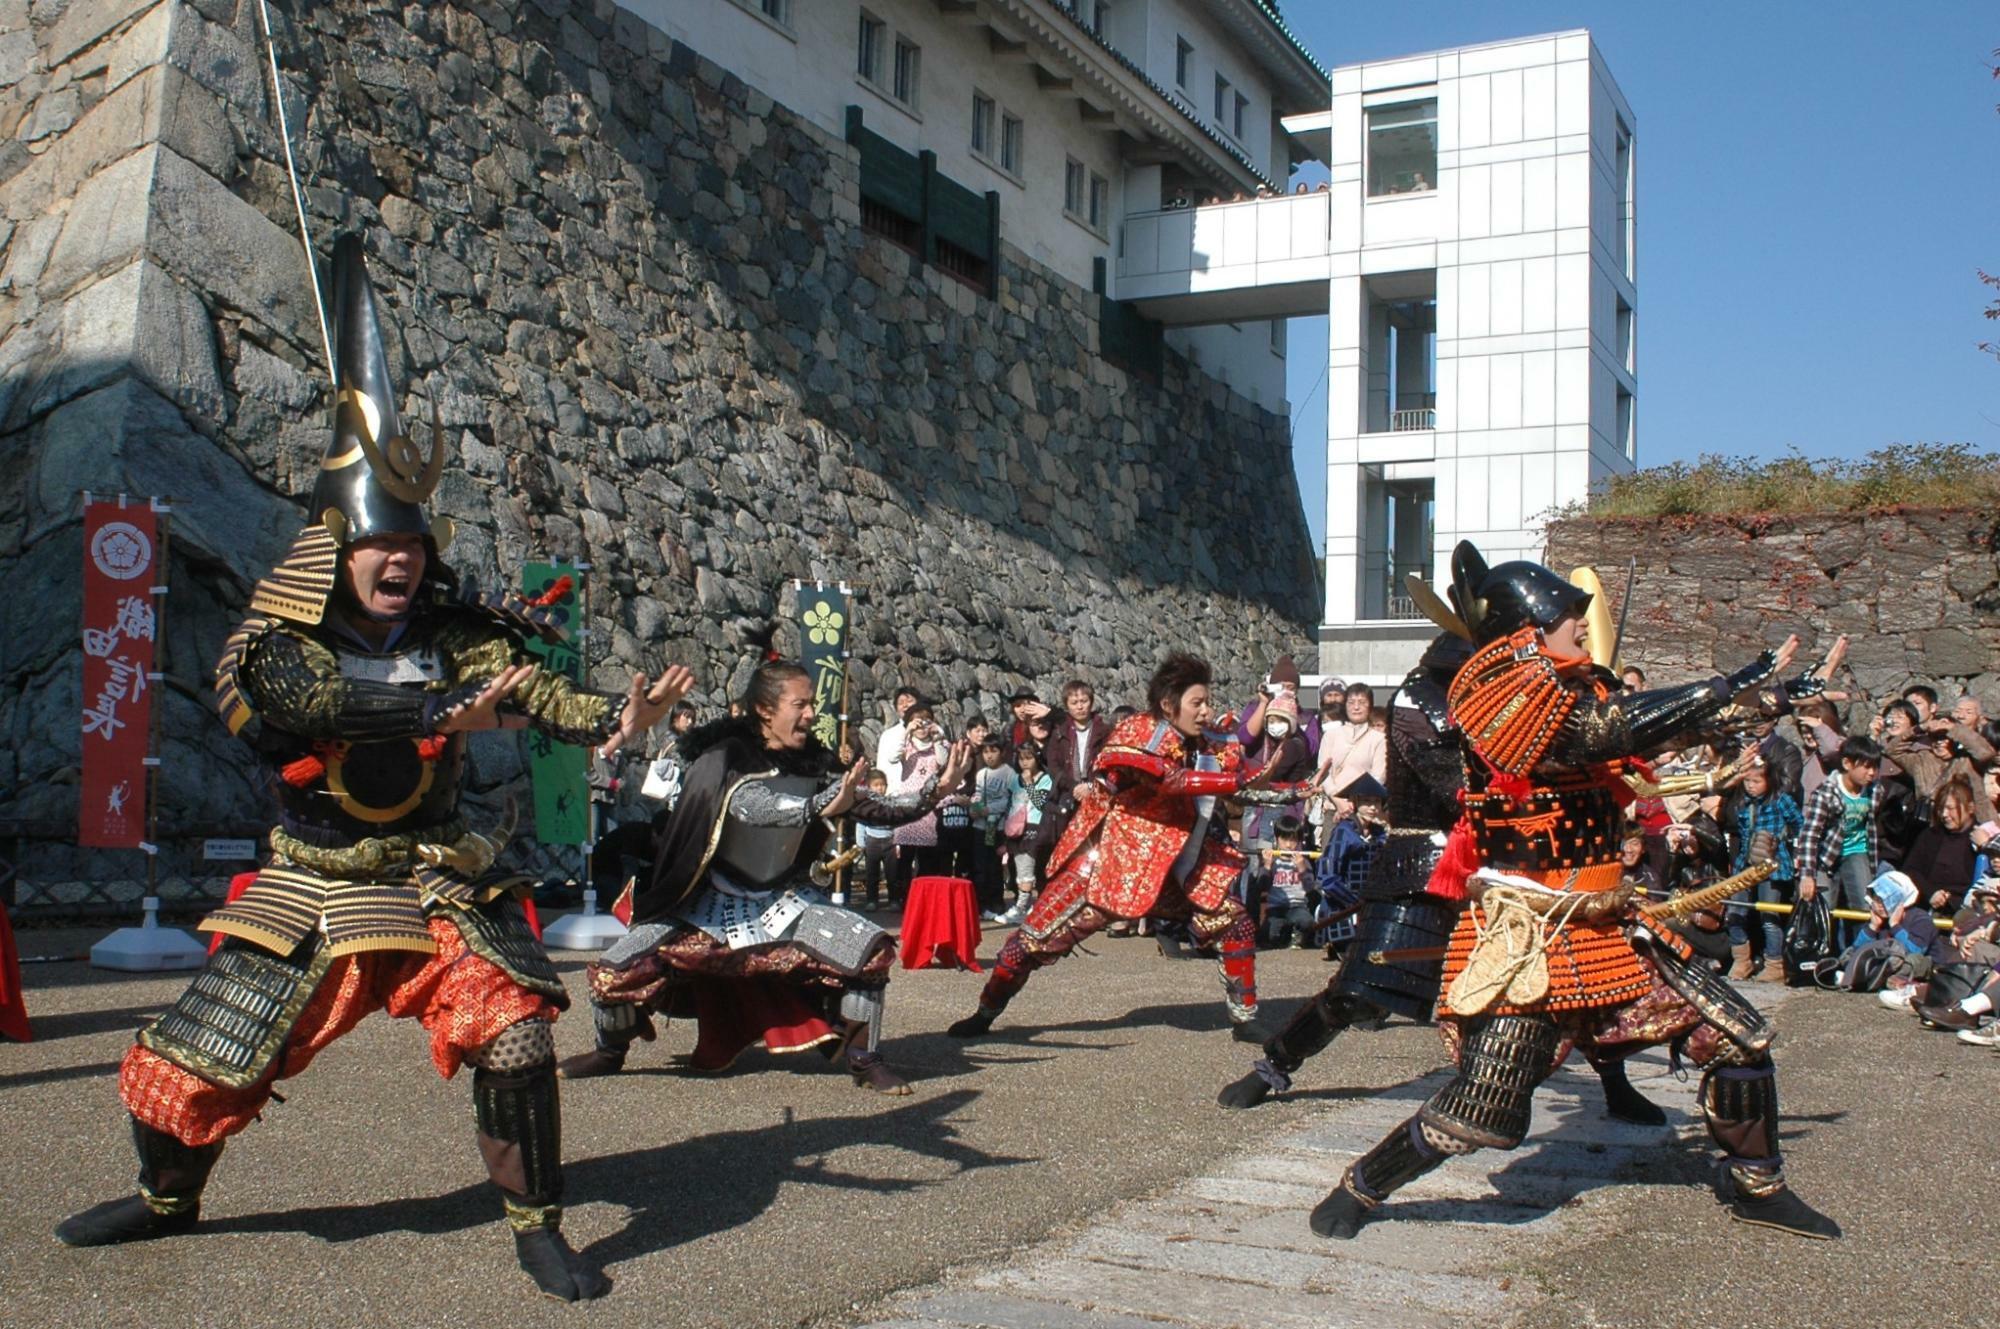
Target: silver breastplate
757, 857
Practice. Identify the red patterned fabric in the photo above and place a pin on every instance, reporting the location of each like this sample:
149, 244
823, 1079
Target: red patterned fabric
13, 1001
941, 925
777, 995
462, 1000
1140, 830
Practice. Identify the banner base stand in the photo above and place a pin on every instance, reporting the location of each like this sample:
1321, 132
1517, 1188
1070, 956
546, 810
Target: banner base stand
149, 946
585, 931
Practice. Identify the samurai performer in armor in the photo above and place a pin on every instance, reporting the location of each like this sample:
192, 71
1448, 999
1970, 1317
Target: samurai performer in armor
1146, 842
1388, 968
355, 680
1551, 954
731, 928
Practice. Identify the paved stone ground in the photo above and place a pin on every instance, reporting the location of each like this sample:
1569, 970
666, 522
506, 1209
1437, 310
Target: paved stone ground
1073, 1170
1230, 1246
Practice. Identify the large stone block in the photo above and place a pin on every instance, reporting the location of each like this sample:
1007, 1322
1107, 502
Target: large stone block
127, 437
138, 321
206, 235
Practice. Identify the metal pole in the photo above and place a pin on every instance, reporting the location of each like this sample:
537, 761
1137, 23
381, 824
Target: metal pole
298, 196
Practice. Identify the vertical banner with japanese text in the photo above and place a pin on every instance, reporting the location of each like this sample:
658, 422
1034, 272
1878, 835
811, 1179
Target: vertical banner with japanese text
120, 625
558, 770
823, 652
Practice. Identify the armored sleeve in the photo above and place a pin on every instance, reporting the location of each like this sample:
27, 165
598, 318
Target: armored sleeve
295, 684
886, 809
1628, 726
550, 702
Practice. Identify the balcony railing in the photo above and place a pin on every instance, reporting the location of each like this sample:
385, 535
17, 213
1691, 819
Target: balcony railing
1424, 417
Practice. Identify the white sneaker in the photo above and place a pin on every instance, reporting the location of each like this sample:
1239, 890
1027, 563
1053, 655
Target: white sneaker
1898, 999
1986, 1036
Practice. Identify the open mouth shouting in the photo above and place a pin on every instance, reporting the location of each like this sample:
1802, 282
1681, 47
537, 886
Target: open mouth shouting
384, 573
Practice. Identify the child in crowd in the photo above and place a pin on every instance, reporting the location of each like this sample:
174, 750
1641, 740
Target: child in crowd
1351, 844
997, 788
1760, 807
878, 853
1282, 886
1024, 826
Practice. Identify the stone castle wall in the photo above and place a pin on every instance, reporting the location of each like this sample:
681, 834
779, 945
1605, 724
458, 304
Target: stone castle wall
1916, 591
659, 338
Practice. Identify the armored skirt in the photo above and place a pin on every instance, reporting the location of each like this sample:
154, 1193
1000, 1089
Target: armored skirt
779, 967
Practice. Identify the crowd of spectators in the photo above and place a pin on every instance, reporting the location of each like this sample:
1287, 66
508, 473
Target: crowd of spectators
1883, 812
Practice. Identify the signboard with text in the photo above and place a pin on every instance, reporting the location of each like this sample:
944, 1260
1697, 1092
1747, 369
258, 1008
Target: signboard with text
120, 627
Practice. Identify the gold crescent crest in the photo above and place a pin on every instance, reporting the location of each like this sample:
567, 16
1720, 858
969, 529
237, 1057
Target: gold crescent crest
398, 463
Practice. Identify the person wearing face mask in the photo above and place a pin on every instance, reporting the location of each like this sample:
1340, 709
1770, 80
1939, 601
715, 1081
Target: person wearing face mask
1283, 751
1148, 841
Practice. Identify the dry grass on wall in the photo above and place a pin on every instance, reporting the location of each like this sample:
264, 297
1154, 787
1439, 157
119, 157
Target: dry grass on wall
1914, 475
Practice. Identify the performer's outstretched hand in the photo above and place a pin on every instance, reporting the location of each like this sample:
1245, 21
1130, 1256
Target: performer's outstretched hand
850, 791
957, 765
646, 704
1788, 652
483, 711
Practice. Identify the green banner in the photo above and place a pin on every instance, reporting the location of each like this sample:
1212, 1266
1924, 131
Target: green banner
558, 770
823, 626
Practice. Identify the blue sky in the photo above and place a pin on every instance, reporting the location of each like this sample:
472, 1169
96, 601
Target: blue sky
1817, 185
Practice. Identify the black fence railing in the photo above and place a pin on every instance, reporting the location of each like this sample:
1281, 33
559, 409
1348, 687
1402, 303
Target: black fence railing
905, 199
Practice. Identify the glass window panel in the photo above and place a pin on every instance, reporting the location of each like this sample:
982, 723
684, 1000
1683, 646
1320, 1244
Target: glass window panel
1402, 149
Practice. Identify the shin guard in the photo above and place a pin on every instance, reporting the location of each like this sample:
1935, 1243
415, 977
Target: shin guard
519, 1119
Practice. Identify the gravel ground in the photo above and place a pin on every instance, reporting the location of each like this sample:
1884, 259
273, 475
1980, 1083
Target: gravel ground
776, 1195
781, 1195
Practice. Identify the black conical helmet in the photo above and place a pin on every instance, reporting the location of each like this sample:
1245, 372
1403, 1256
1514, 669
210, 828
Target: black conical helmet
1499, 601
374, 479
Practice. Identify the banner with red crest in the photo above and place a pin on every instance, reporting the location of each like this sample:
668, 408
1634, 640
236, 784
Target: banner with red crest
120, 626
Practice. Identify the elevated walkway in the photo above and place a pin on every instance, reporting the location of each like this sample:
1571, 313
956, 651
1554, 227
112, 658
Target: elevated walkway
1228, 262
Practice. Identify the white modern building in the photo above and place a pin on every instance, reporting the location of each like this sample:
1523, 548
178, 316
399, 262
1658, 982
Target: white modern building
1475, 256
1067, 115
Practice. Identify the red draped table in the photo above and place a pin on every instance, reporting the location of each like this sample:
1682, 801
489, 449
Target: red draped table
13, 1001
941, 925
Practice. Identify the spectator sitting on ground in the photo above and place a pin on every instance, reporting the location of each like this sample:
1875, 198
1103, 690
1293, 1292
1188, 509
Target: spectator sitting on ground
1975, 929
1940, 862
1903, 936
1637, 865
1633, 677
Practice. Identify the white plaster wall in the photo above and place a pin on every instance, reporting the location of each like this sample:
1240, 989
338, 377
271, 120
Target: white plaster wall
1214, 51
1521, 234
811, 71
1238, 354
813, 74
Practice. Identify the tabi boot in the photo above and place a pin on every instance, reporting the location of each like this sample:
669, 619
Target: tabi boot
519, 1121
1780, 1208
171, 1178
975, 1025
